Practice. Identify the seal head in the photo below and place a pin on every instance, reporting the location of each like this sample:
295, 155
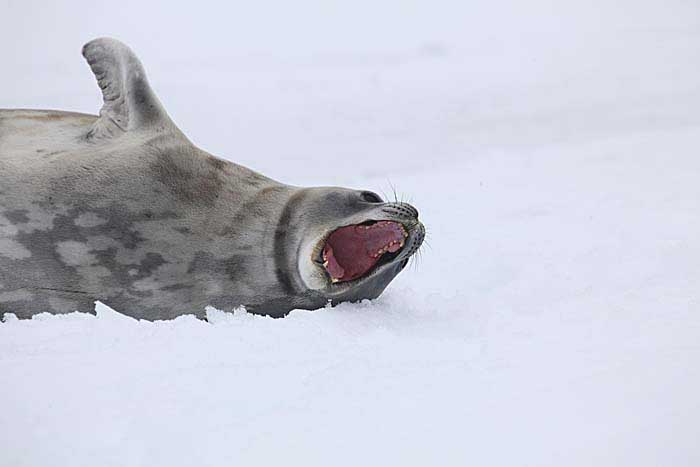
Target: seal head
346, 245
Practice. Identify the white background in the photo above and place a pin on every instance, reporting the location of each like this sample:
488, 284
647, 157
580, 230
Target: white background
553, 150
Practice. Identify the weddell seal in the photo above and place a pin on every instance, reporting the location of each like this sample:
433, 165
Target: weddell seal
124, 209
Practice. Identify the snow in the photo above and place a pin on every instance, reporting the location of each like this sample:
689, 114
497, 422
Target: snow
552, 149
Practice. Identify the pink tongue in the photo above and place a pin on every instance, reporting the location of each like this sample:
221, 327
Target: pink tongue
351, 251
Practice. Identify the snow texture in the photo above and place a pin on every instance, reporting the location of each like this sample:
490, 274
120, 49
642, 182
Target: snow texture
552, 149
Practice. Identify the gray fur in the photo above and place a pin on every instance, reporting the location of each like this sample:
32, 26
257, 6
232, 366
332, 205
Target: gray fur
122, 208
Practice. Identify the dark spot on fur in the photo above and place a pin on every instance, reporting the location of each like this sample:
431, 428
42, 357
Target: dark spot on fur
187, 177
17, 216
120, 272
151, 263
174, 287
235, 266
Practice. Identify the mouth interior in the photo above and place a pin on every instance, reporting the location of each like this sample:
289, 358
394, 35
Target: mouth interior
352, 251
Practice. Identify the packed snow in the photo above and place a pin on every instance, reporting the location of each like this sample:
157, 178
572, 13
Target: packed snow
552, 149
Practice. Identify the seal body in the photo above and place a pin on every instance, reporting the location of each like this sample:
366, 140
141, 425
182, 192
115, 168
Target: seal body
123, 208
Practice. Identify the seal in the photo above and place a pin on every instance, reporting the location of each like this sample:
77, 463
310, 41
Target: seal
124, 209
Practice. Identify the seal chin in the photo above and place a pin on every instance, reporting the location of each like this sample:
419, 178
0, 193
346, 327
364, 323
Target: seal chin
353, 256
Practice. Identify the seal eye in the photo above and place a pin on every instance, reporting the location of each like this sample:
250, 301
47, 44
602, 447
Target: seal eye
369, 197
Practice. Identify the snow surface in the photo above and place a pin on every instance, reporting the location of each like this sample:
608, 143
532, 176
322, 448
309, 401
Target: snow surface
552, 149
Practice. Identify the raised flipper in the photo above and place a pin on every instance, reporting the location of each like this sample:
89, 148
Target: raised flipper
129, 102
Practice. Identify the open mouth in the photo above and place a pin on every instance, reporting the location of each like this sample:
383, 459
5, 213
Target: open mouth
353, 251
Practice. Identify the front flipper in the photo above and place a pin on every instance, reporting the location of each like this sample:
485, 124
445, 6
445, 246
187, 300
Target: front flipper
129, 102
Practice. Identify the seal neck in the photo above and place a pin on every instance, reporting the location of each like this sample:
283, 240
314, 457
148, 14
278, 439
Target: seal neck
286, 246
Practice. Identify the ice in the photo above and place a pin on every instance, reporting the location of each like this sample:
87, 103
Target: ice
554, 318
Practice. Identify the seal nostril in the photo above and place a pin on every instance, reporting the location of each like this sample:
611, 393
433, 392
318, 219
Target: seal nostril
369, 197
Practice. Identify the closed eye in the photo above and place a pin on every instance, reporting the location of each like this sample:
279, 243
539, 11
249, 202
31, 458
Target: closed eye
369, 197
